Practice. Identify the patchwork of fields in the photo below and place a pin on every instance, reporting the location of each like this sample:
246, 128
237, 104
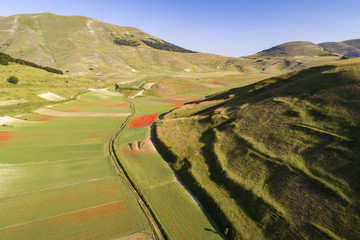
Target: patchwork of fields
58, 181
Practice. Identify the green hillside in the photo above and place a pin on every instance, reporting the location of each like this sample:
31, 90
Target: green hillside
34, 80
5, 59
295, 49
278, 159
350, 48
84, 46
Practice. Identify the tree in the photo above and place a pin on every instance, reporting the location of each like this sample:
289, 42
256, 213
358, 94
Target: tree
13, 80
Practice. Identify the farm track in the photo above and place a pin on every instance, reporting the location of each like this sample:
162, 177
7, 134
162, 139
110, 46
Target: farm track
160, 234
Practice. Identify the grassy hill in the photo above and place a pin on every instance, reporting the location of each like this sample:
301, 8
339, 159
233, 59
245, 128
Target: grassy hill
350, 48
284, 58
295, 49
278, 159
84, 46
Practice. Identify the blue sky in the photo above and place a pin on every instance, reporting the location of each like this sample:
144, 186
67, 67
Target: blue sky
227, 27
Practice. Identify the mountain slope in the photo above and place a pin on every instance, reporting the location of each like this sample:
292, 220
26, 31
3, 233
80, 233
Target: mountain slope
83, 45
349, 48
294, 49
278, 159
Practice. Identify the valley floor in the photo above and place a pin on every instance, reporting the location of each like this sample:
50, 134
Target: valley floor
58, 180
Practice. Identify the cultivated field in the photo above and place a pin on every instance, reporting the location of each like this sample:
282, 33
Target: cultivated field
56, 169
178, 213
56, 173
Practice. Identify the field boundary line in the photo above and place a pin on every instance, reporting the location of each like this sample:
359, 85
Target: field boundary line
56, 113
60, 215
158, 230
44, 162
61, 186
174, 180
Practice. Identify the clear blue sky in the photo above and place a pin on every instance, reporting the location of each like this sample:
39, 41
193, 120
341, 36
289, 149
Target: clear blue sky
227, 27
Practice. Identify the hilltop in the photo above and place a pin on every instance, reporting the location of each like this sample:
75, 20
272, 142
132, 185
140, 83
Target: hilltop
349, 48
294, 49
278, 159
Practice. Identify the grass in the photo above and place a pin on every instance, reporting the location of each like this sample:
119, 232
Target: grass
227, 150
145, 166
295, 49
180, 215
276, 159
34, 82
46, 46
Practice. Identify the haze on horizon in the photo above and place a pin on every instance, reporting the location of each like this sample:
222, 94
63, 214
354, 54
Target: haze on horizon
229, 28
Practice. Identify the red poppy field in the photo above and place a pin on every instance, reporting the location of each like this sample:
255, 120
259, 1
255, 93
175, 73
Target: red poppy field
142, 121
6, 135
45, 118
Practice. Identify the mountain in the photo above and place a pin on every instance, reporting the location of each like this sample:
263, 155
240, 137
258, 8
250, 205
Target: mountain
278, 159
84, 46
349, 48
81, 46
295, 49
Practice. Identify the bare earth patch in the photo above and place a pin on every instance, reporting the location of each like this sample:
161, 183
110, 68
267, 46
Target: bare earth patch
147, 86
8, 120
104, 91
140, 93
51, 97
12, 102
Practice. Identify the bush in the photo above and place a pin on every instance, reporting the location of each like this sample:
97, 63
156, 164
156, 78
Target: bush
13, 80
163, 45
126, 42
3, 61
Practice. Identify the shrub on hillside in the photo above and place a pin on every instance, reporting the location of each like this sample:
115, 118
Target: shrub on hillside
48, 69
126, 42
7, 57
3, 61
163, 45
13, 80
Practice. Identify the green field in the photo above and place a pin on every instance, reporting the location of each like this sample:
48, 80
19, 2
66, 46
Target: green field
50, 157
178, 213
59, 173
